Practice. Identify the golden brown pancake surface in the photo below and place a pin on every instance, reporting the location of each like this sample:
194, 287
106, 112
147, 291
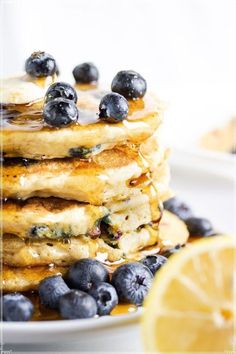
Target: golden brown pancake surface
19, 253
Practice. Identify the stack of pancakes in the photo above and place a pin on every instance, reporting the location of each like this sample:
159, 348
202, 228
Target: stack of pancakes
94, 189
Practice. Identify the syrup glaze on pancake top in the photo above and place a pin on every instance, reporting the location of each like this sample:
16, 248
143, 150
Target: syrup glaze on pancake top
25, 134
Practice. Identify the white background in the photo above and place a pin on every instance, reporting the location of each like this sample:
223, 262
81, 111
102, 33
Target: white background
186, 49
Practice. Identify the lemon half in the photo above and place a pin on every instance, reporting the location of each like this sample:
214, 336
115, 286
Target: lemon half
191, 305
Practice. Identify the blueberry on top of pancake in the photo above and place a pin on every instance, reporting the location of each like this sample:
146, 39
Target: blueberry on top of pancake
61, 89
113, 108
86, 73
130, 84
60, 112
40, 64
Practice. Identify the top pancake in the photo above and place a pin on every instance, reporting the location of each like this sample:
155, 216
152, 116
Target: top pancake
24, 133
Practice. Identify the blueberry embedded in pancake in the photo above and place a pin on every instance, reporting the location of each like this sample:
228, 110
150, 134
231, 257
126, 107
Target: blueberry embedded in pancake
51, 218
55, 218
22, 253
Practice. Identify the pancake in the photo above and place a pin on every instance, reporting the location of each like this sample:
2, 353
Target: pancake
24, 90
134, 241
172, 231
55, 218
18, 253
51, 218
21, 253
24, 133
109, 176
169, 232
25, 279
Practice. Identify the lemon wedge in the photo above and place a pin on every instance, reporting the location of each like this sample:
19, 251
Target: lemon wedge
191, 305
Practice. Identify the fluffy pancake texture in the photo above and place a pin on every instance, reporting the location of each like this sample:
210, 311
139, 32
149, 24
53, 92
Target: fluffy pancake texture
18, 253
114, 174
51, 218
56, 218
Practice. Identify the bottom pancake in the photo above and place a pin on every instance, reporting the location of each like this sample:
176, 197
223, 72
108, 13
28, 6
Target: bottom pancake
25, 279
172, 231
107, 248
21, 253
18, 253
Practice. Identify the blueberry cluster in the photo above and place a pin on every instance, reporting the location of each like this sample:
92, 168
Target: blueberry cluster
88, 290
197, 227
126, 85
60, 108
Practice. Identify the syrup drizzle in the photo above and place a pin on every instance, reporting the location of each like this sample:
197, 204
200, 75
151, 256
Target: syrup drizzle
29, 116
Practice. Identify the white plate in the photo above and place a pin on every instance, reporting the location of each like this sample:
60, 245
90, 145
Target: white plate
193, 157
210, 194
106, 334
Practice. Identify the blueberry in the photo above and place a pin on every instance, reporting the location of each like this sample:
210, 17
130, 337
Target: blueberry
199, 226
132, 282
178, 207
16, 307
113, 108
86, 272
77, 304
40, 64
106, 297
154, 262
60, 112
129, 84
61, 89
39, 231
171, 251
51, 289
86, 73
